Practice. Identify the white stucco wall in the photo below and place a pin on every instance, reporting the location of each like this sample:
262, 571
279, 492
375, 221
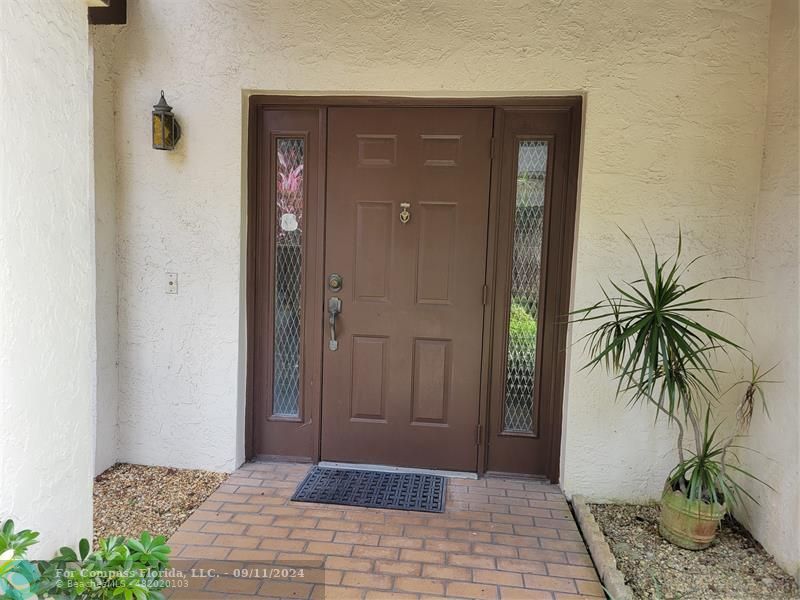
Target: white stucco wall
675, 96
47, 349
102, 38
773, 318
674, 132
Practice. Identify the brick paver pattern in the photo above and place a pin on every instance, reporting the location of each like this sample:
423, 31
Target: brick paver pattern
498, 538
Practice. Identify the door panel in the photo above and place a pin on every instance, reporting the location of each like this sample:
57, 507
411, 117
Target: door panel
373, 251
432, 380
403, 386
368, 383
436, 260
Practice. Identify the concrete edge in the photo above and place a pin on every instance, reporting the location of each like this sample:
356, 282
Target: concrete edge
612, 578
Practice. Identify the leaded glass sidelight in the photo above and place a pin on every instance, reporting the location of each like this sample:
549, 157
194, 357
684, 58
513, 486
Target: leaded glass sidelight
525, 286
289, 201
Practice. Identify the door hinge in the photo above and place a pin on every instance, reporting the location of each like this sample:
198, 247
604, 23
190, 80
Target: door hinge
485, 293
478, 434
491, 147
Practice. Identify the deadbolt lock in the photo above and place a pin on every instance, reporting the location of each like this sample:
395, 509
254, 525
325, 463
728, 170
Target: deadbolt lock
335, 282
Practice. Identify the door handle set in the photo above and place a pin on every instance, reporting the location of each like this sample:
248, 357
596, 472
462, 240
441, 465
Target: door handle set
334, 308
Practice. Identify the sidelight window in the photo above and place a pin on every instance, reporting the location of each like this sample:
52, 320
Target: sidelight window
289, 201
520, 403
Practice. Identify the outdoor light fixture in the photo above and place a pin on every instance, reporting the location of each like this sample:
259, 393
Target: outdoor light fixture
166, 131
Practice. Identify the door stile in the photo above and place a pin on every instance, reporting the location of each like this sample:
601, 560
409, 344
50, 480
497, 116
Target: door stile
252, 196
316, 313
489, 281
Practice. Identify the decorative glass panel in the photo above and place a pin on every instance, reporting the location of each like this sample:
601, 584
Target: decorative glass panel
525, 276
289, 199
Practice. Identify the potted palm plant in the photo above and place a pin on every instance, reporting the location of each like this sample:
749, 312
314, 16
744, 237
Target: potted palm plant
648, 334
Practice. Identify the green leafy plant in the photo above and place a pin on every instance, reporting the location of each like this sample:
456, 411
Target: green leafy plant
521, 325
18, 541
647, 333
704, 475
17, 576
129, 569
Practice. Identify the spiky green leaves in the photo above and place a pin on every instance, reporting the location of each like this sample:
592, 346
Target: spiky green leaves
646, 334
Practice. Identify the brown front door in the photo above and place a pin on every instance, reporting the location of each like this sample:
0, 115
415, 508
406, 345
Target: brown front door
406, 229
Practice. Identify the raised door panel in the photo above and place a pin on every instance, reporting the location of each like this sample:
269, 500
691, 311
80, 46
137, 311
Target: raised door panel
376, 150
432, 381
373, 251
368, 379
436, 260
441, 150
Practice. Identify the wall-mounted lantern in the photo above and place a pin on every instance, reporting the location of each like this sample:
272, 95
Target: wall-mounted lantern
166, 131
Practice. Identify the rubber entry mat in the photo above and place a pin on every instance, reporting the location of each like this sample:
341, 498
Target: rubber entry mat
373, 489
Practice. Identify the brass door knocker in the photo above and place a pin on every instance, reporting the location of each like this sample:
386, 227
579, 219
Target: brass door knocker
405, 216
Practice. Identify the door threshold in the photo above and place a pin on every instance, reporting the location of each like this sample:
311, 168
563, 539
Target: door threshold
543, 479
390, 469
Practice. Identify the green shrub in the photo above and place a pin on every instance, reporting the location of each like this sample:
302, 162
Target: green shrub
521, 326
125, 569
17, 576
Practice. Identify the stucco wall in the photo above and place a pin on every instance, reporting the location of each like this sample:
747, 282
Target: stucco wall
47, 349
773, 318
675, 95
102, 38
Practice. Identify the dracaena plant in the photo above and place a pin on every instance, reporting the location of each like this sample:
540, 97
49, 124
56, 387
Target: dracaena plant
648, 334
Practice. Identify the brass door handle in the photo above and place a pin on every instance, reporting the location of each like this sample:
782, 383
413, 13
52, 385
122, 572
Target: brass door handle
334, 308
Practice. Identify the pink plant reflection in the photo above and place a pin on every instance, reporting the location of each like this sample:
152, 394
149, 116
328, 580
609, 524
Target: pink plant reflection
290, 186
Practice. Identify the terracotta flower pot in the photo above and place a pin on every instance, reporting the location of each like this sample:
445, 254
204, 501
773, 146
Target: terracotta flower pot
689, 524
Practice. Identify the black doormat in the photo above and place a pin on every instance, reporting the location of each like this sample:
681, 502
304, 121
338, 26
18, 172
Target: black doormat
373, 489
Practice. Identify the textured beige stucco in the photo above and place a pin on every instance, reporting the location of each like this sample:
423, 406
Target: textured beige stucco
675, 97
773, 319
47, 343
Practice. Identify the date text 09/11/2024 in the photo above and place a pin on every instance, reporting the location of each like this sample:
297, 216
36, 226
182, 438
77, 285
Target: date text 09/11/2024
256, 573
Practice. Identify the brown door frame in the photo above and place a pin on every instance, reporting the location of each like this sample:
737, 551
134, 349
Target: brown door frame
255, 194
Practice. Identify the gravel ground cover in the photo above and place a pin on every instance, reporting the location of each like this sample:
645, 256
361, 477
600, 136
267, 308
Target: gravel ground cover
129, 499
736, 566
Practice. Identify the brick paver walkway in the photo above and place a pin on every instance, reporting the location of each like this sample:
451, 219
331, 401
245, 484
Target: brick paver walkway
499, 538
